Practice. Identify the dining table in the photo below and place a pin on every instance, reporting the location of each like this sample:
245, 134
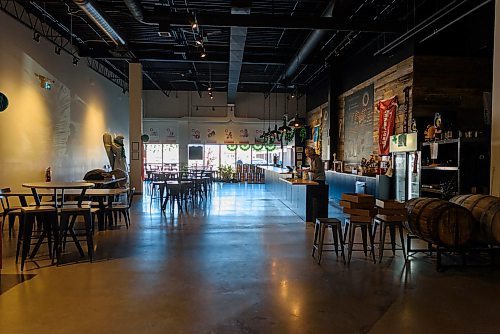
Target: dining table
56, 186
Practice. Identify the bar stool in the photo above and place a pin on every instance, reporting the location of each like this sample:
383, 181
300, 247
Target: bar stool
365, 224
47, 217
392, 222
67, 212
319, 236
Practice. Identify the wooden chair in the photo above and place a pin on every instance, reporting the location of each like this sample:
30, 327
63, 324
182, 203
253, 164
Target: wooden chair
9, 212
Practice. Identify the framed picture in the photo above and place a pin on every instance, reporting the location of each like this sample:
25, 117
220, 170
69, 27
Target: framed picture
135, 146
299, 156
299, 149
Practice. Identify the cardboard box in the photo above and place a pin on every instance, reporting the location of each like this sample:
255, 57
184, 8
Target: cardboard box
352, 205
391, 218
389, 204
361, 212
358, 198
392, 212
359, 219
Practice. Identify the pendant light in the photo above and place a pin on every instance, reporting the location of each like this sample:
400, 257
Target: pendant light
284, 129
297, 122
275, 133
262, 136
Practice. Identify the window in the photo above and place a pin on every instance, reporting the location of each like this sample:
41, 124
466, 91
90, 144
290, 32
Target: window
160, 156
195, 156
212, 156
227, 157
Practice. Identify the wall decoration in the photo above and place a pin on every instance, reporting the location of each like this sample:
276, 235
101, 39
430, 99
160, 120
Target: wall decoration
244, 136
195, 136
170, 135
299, 149
299, 156
211, 136
358, 125
231, 147
258, 147
406, 109
154, 135
258, 136
135, 146
116, 151
316, 138
4, 102
244, 147
228, 136
387, 109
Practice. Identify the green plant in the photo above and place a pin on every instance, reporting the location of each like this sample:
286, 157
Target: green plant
226, 172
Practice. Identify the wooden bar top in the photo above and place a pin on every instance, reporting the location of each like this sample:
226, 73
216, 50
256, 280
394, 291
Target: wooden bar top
296, 182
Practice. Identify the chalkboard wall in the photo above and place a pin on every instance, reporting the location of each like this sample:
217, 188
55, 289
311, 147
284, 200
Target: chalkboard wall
358, 125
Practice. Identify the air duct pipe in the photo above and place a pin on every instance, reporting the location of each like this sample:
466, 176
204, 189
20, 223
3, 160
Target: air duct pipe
309, 45
99, 19
135, 9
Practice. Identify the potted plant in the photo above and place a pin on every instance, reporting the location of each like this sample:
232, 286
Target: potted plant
226, 173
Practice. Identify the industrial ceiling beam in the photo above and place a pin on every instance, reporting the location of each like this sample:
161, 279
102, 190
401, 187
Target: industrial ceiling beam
164, 17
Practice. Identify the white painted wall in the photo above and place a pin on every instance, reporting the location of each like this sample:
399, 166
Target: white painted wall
495, 122
61, 128
248, 105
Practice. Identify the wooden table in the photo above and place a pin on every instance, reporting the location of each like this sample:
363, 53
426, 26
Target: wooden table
55, 186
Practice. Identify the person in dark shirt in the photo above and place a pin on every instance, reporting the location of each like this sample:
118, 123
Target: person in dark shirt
316, 166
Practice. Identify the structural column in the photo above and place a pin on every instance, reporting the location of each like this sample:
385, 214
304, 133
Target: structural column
135, 125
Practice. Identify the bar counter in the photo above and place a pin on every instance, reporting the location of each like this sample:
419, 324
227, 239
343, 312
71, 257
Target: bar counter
299, 195
378, 186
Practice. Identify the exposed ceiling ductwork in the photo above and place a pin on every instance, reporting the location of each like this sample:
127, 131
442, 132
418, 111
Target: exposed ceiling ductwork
236, 50
98, 17
135, 9
307, 48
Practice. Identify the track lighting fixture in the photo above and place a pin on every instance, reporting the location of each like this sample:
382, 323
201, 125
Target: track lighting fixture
36, 37
203, 54
75, 61
57, 50
199, 40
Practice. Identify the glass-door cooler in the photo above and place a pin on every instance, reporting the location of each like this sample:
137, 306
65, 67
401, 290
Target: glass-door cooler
406, 166
413, 174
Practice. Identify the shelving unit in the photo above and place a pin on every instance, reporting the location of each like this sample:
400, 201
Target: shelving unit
459, 168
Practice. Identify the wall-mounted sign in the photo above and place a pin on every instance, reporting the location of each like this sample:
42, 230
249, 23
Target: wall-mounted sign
228, 136
358, 125
154, 135
244, 138
195, 135
4, 102
405, 142
258, 134
211, 136
170, 135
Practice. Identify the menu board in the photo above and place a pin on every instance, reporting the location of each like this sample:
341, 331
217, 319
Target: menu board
358, 125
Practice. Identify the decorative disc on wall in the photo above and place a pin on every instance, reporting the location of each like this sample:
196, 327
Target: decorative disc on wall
4, 102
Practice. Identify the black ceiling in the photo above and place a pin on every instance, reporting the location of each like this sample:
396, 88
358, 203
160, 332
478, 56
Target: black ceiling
277, 30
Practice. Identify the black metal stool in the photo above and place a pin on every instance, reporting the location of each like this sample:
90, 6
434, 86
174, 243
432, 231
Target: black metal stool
319, 236
392, 222
366, 232
47, 217
67, 227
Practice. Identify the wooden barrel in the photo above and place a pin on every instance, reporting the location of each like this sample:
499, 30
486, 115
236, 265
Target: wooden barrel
439, 222
486, 211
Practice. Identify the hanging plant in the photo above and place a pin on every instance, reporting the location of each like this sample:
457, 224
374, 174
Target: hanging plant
258, 147
303, 134
270, 147
290, 135
244, 147
232, 147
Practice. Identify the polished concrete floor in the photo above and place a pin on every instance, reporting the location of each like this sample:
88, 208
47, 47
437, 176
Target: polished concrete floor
239, 262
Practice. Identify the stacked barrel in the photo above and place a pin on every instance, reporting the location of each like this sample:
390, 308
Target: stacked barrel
440, 222
486, 213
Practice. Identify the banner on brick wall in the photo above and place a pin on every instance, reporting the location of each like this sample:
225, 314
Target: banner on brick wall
387, 109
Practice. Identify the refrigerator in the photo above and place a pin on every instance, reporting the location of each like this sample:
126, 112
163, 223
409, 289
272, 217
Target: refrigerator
406, 166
